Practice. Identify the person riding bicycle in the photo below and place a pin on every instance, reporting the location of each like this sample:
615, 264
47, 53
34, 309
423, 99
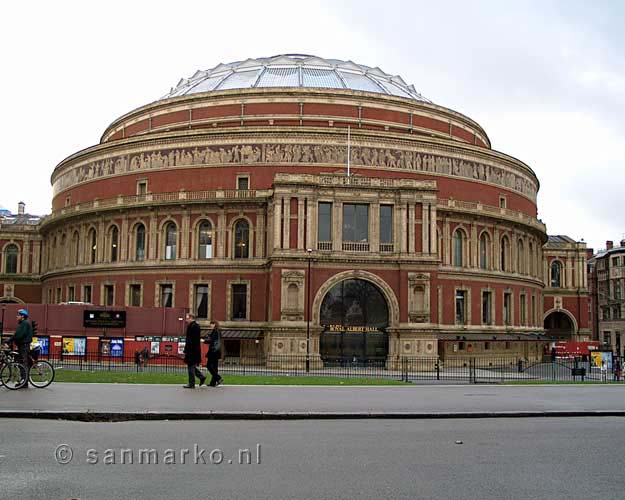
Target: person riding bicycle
23, 336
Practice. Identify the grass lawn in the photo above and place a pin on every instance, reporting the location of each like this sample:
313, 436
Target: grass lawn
181, 378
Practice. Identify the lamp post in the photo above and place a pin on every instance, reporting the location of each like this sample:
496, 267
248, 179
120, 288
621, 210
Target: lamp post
309, 251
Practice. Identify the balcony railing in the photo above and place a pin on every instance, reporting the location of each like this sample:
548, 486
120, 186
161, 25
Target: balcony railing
355, 246
324, 245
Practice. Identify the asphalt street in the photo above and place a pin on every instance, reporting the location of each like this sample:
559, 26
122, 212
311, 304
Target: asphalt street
275, 400
486, 459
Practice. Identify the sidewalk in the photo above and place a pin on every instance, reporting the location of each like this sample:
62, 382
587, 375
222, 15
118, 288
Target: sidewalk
93, 402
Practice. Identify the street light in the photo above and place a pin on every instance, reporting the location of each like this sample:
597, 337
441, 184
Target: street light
309, 251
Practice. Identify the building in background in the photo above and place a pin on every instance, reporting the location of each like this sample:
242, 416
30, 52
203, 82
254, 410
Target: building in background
606, 271
315, 207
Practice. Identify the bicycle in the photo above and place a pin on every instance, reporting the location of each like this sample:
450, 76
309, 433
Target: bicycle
13, 375
40, 373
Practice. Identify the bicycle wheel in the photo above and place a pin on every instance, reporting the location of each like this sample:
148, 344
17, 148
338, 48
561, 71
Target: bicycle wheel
41, 374
13, 376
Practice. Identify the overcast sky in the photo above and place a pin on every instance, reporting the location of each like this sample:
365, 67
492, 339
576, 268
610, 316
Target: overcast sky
546, 79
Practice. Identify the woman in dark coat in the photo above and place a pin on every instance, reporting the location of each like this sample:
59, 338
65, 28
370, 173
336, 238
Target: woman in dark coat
193, 352
214, 353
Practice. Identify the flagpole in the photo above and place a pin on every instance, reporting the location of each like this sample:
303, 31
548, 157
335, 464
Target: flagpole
348, 148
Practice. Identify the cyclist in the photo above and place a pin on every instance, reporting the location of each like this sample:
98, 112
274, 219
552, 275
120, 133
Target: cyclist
23, 337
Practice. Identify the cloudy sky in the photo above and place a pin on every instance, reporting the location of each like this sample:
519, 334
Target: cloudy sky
546, 79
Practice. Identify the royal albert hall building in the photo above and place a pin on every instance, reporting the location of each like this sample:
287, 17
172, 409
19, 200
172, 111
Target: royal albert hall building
296, 197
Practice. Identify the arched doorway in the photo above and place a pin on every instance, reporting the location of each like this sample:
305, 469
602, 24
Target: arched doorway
559, 325
354, 316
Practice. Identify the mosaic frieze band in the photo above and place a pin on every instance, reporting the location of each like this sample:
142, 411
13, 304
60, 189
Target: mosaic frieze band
295, 153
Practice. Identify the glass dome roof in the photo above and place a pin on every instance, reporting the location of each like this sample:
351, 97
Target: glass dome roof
295, 70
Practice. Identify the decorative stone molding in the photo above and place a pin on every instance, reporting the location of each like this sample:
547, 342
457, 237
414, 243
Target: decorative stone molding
292, 296
419, 297
278, 154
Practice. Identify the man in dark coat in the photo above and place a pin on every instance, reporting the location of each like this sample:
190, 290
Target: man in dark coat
193, 352
23, 337
214, 353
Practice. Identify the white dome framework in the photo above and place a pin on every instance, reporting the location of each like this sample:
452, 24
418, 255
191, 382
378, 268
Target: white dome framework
295, 70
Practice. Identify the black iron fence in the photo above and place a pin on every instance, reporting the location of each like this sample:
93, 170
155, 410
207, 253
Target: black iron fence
408, 369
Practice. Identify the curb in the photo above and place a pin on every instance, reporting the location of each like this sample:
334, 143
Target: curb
99, 416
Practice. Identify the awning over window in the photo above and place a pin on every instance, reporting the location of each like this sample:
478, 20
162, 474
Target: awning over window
241, 334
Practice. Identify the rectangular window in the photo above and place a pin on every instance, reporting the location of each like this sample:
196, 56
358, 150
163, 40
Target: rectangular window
59, 296
487, 307
355, 223
239, 301
386, 225
617, 290
533, 309
167, 295
614, 261
616, 312
324, 226
86, 294
507, 308
243, 183
461, 307
522, 310
502, 201
487, 346
201, 301
142, 188
71, 294
109, 295
135, 295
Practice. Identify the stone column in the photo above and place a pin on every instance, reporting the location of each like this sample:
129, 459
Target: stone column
277, 222
446, 241
425, 228
37, 257
401, 223
411, 228
101, 251
260, 233
153, 240
311, 224
301, 217
123, 240
185, 233
25, 256
474, 245
286, 221
374, 227
337, 226
433, 227
221, 234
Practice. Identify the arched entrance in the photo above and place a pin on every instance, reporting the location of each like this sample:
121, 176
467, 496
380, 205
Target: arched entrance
354, 316
558, 324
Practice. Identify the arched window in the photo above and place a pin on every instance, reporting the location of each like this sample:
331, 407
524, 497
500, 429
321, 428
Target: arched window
458, 253
241, 240
556, 274
171, 236
140, 242
114, 241
75, 248
11, 253
93, 246
205, 240
520, 257
484, 250
505, 251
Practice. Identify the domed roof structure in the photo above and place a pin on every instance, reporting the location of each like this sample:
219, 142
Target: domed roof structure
295, 70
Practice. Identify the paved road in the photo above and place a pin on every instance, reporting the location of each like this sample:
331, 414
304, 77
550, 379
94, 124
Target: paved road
121, 398
511, 459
